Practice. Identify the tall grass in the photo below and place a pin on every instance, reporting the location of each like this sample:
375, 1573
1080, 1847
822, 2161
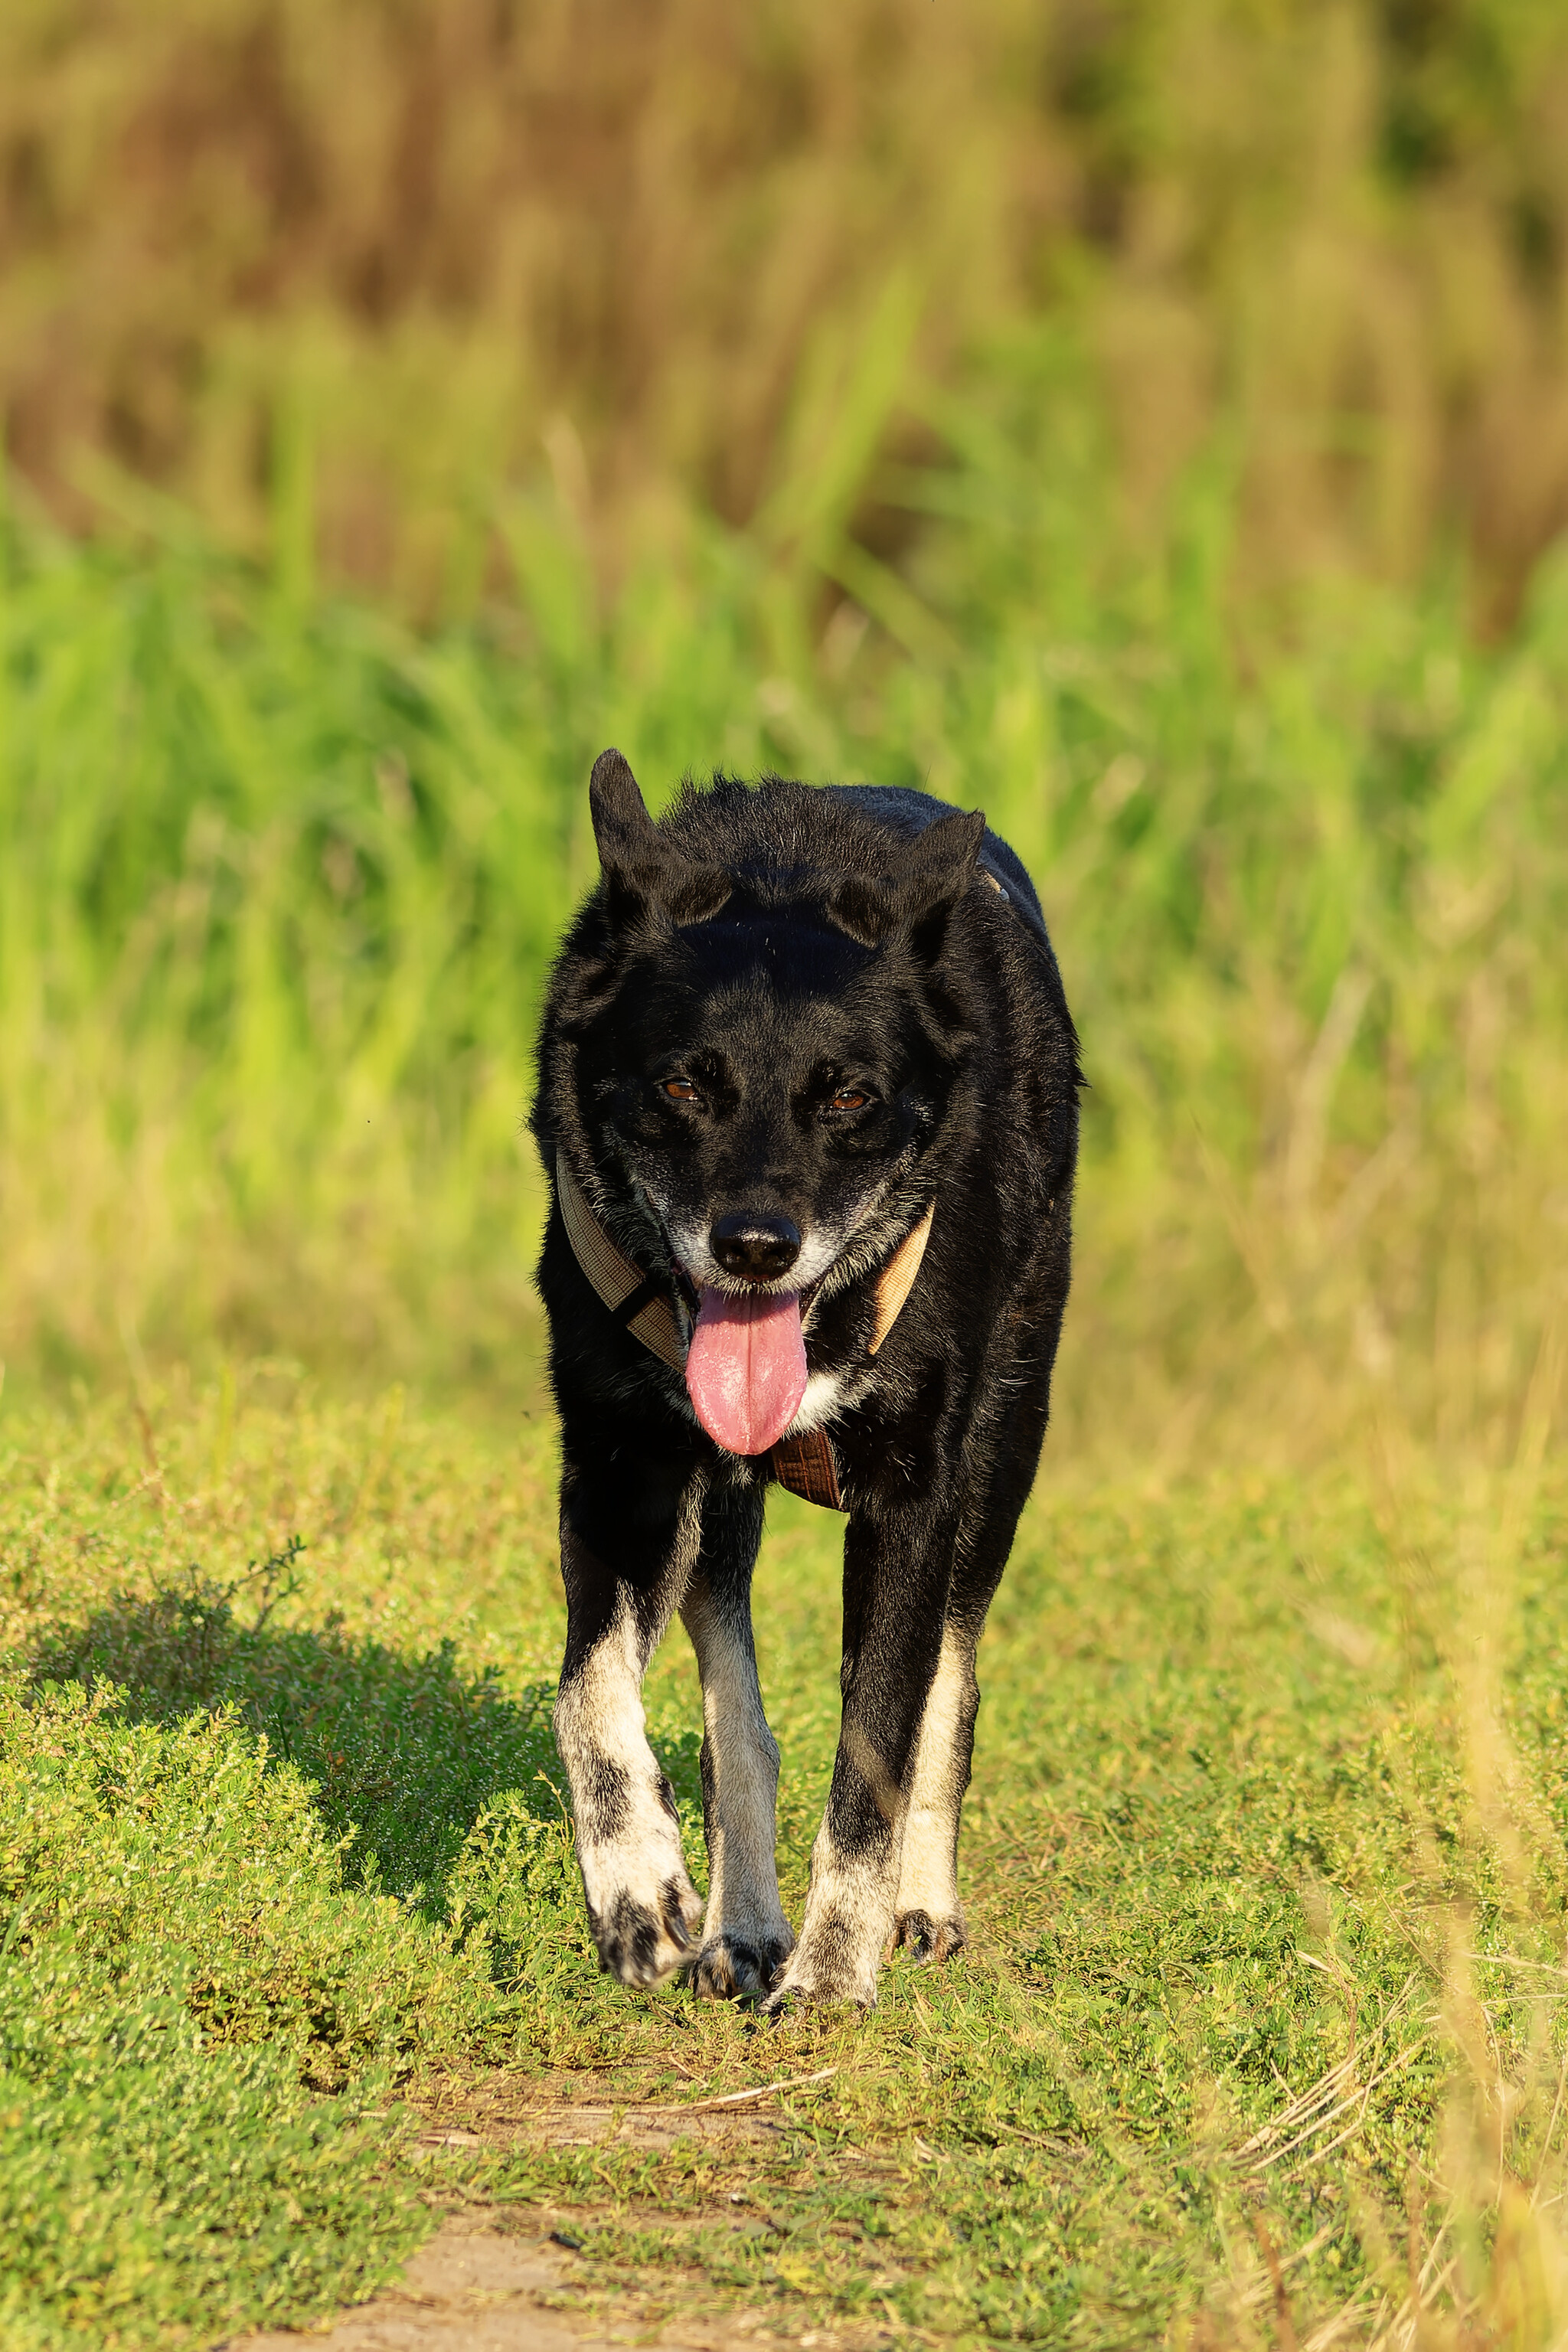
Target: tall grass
430, 234
280, 880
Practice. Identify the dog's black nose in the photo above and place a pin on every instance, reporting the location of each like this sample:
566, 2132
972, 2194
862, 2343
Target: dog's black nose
754, 1249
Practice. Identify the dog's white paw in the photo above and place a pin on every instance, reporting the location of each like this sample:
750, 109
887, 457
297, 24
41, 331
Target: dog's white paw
646, 1932
829, 1969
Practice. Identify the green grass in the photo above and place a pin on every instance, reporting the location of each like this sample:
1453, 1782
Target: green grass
1269, 1794
178, 1973
645, 248
1265, 1855
279, 881
1268, 1783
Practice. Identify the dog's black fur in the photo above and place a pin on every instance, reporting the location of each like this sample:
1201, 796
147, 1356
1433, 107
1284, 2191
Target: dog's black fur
853, 993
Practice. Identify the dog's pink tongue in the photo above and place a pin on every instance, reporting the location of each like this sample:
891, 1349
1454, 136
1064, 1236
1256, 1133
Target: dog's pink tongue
746, 1368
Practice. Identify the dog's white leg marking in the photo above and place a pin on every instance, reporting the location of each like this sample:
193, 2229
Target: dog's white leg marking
850, 1909
642, 1905
745, 1935
848, 1916
929, 1913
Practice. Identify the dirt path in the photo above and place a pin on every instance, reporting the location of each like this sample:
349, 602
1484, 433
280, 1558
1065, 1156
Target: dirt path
475, 2287
484, 2283
470, 2286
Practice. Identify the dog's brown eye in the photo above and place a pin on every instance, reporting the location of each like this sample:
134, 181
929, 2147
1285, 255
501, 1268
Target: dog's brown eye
679, 1089
850, 1098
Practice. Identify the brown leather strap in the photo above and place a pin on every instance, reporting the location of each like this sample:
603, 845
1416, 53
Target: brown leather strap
805, 1465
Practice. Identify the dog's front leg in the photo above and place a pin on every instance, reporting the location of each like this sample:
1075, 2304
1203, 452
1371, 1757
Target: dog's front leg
929, 1918
896, 1577
642, 1906
745, 1937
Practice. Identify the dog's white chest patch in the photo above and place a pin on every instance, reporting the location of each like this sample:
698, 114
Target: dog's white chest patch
819, 1404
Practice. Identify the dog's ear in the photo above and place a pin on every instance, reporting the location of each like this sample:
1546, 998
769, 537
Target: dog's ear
929, 876
640, 866
628, 836
937, 867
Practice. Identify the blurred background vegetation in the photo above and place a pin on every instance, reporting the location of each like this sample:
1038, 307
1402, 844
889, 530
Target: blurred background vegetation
400, 244
1147, 422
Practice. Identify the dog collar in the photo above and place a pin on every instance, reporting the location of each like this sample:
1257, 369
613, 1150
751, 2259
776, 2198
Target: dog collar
641, 1305
638, 1301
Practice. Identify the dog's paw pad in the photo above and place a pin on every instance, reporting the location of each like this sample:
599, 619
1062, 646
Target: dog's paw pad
642, 1941
728, 1968
925, 1938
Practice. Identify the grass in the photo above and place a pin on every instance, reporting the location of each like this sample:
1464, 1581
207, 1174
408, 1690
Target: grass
1040, 419
177, 1973
1265, 1850
269, 968
1261, 2029
273, 256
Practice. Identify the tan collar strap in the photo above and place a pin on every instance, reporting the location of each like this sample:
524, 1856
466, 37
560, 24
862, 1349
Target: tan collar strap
641, 1303
633, 1297
897, 1278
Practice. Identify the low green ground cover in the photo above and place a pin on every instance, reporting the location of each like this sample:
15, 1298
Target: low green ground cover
1264, 1857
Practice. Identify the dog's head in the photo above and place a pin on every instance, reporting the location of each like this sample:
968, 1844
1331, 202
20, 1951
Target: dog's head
764, 1043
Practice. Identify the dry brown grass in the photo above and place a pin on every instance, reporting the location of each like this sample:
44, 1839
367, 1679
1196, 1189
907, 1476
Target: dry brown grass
406, 251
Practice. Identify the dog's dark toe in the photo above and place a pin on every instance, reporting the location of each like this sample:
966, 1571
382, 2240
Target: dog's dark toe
640, 1945
728, 1968
925, 1938
673, 1907
630, 1947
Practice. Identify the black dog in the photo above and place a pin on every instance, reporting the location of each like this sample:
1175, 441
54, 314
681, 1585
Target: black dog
807, 1103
